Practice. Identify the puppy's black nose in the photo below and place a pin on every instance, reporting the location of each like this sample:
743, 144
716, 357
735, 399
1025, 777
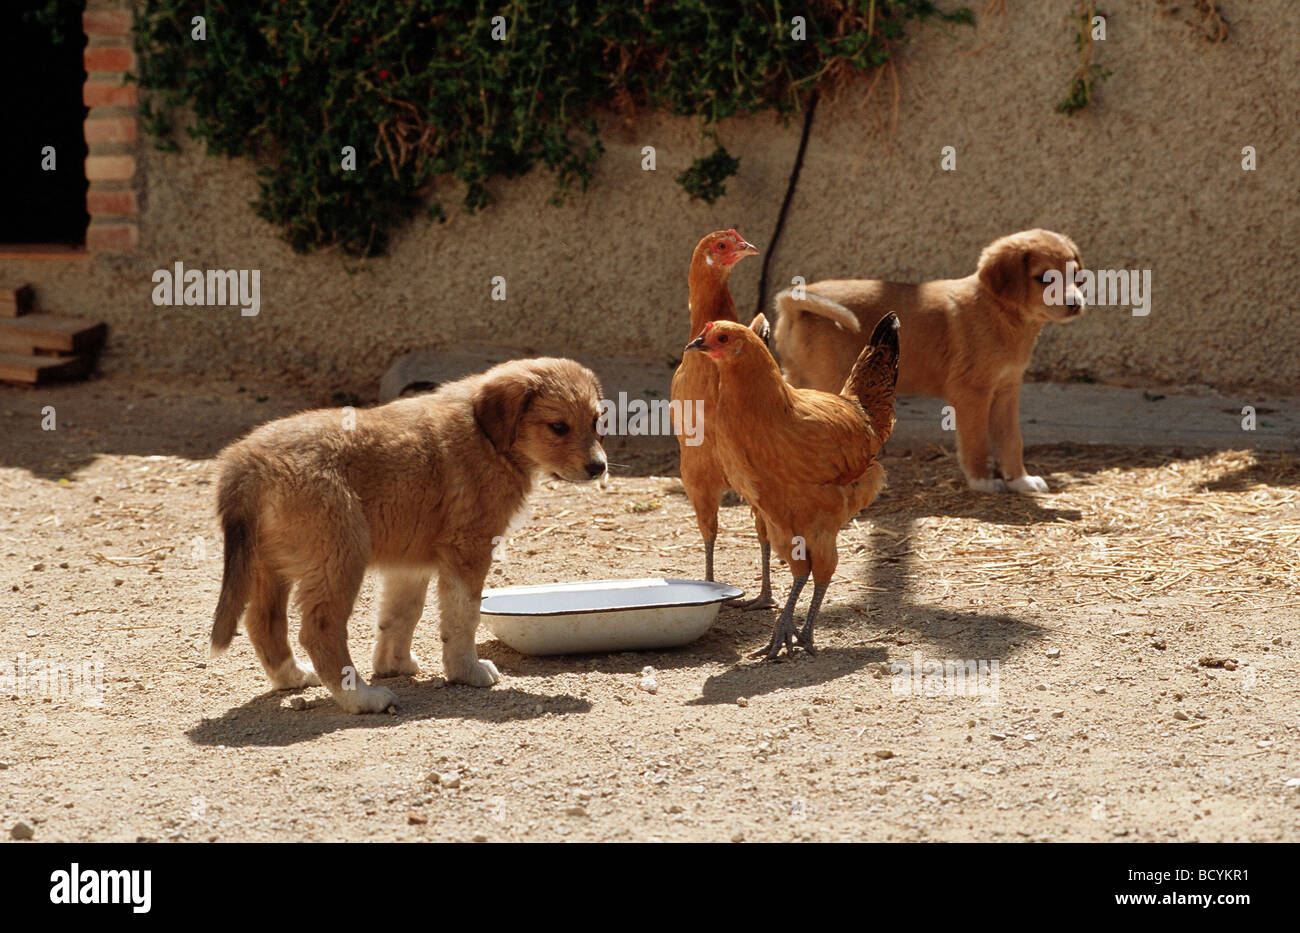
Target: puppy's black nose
595, 468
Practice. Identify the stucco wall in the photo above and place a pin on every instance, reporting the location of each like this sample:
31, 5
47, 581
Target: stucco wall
1150, 177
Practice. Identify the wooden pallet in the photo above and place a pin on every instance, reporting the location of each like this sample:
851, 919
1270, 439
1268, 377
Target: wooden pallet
39, 348
40, 370
51, 332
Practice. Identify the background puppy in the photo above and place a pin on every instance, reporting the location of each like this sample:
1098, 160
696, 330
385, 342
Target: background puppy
416, 486
967, 341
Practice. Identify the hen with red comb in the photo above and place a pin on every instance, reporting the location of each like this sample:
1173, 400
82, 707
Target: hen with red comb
695, 384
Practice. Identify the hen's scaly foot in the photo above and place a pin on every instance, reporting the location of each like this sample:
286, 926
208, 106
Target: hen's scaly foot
804, 636
784, 634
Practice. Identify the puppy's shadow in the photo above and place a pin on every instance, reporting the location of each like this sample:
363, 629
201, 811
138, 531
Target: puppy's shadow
760, 677
264, 721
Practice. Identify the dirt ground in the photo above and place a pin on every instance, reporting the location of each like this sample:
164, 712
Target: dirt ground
1143, 619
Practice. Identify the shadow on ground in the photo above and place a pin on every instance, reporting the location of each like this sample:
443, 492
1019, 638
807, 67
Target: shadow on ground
265, 721
1269, 469
102, 417
195, 420
755, 678
719, 645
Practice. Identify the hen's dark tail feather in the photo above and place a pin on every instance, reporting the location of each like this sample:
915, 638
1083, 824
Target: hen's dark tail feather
238, 524
873, 381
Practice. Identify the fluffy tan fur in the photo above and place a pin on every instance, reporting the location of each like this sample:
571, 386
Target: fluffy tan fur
419, 486
967, 341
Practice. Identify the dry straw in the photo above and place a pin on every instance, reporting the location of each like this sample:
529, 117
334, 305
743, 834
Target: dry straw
1213, 532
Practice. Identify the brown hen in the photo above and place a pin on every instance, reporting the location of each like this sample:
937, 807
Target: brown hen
805, 460
695, 384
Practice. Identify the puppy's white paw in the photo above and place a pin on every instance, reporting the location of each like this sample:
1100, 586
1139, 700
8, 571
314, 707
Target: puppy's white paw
1027, 485
476, 673
993, 484
389, 666
366, 699
292, 675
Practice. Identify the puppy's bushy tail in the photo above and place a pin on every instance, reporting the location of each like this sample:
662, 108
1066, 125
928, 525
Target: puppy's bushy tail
788, 306
238, 511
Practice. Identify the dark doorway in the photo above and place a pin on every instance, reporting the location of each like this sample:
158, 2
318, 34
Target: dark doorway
41, 70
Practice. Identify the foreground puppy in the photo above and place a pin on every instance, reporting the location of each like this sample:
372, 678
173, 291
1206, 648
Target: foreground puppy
419, 485
967, 341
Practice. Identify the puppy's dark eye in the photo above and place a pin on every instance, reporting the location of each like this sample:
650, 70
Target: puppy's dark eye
559, 427
722, 338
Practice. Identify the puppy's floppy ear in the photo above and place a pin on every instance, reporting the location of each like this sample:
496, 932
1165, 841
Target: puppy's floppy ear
499, 405
1003, 268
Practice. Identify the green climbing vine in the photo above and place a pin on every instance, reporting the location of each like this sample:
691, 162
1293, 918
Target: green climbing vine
474, 91
1087, 23
707, 177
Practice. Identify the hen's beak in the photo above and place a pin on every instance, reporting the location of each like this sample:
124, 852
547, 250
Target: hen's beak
696, 344
743, 246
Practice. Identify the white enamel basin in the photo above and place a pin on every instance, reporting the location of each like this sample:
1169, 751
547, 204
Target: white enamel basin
603, 615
